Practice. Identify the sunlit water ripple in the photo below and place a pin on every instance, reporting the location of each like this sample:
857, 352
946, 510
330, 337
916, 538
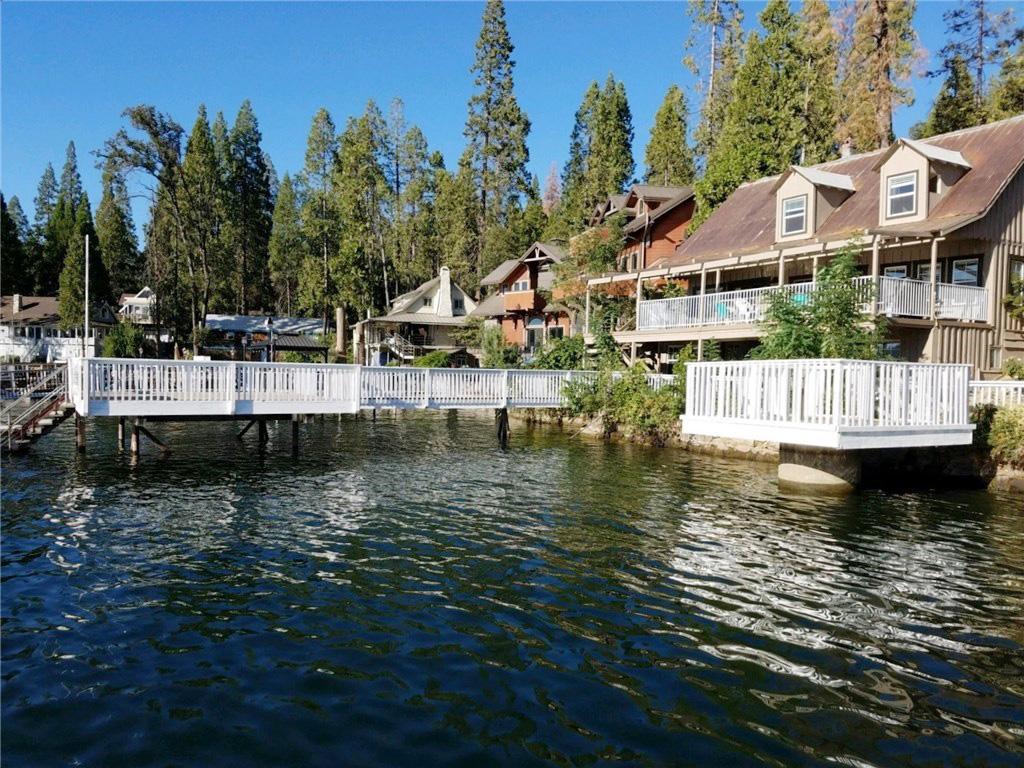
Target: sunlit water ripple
406, 594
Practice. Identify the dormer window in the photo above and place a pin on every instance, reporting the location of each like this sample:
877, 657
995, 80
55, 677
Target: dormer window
794, 215
901, 195
428, 301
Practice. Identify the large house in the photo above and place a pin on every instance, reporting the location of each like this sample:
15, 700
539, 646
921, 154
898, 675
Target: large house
30, 330
520, 300
939, 224
656, 221
417, 322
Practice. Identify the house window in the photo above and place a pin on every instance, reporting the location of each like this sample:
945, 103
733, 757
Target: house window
428, 301
1016, 271
794, 215
458, 303
902, 195
896, 271
520, 285
924, 272
556, 332
965, 271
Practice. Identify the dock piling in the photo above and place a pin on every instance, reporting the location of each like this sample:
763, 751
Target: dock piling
295, 434
120, 434
79, 433
501, 418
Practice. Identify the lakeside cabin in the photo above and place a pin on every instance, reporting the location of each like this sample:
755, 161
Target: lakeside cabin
30, 330
940, 223
417, 322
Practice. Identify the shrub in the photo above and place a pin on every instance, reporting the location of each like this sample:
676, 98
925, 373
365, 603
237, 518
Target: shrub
1014, 368
498, 353
124, 340
1006, 436
436, 359
565, 354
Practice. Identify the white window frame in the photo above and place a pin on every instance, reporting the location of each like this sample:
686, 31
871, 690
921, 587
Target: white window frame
1016, 269
924, 272
520, 286
787, 215
977, 278
896, 180
894, 270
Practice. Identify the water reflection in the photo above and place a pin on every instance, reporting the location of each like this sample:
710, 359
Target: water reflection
406, 593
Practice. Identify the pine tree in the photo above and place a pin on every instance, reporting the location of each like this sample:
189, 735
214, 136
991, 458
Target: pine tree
319, 222
249, 211
70, 180
1007, 95
668, 158
714, 52
287, 245
879, 59
496, 131
45, 201
978, 36
13, 269
418, 255
819, 45
71, 294
575, 208
116, 233
552, 190
610, 163
764, 125
165, 272
955, 105
457, 224
18, 219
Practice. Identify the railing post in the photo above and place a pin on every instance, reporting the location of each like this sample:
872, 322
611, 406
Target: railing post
233, 373
504, 389
426, 387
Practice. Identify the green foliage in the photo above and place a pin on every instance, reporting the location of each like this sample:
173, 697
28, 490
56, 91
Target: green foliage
981, 416
287, 247
124, 340
436, 359
1013, 301
498, 353
668, 157
1014, 368
607, 355
829, 323
470, 334
1006, 98
15, 265
1006, 436
116, 233
956, 105
818, 50
71, 293
565, 354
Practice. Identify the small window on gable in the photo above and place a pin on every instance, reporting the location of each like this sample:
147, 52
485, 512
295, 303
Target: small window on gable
428, 301
901, 195
794, 215
458, 303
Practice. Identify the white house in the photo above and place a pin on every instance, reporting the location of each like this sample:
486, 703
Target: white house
138, 307
30, 330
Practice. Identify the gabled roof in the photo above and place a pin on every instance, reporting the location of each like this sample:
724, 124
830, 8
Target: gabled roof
684, 194
402, 302
491, 306
818, 178
655, 192
552, 251
745, 222
497, 275
35, 310
258, 324
931, 151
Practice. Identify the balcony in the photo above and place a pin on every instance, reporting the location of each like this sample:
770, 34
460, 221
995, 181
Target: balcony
522, 301
897, 297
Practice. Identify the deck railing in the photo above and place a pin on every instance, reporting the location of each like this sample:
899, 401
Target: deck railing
833, 394
998, 393
897, 297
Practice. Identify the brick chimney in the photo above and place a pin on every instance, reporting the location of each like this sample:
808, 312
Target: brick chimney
16, 303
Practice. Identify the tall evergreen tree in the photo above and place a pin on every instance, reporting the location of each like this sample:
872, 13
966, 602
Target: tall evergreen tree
70, 180
457, 224
71, 294
164, 270
714, 51
819, 45
18, 219
575, 208
764, 125
14, 273
287, 245
319, 221
978, 36
668, 158
45, 201
496, 130
1007, 95
955, 105
116, 232
552, 190
610, 163
879, 60
249, 211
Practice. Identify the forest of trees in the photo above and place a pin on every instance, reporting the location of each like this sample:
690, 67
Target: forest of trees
374, 211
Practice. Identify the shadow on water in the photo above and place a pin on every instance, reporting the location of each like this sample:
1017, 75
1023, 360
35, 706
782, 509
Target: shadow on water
407, 593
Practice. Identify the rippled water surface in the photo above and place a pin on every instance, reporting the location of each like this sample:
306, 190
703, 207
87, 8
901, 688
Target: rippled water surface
406, 594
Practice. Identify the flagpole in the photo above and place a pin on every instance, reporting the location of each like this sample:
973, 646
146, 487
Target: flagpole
85, 343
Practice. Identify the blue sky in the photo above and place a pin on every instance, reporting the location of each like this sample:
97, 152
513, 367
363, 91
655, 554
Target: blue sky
69, 69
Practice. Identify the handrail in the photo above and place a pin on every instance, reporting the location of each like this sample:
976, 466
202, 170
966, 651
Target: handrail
58, 373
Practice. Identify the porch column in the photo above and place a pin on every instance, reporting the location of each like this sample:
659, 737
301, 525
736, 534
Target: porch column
814, 268
586, 315
782, 269
875, 269
702, 306
639, 295
718, 280
933, 293
703, 279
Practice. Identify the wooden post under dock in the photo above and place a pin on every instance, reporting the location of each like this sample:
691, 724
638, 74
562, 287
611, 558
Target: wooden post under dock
79, 433
295, 435
135, 437
120, 434
501, 419
264, 437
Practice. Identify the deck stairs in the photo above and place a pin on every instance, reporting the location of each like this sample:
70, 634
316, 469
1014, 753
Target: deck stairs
401, 347
33, 406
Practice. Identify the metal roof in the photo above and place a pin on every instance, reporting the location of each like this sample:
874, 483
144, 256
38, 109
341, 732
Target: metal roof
497, 275
818, 178
258, 324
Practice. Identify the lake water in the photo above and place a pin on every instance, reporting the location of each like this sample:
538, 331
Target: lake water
404, 593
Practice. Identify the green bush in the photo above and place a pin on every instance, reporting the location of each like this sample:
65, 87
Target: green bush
436, 359
1006, 436
498, 353
124, 340
1014, 368
565, 354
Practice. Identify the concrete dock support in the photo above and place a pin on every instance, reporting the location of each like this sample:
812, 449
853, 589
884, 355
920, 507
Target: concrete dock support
79, 433
819, 469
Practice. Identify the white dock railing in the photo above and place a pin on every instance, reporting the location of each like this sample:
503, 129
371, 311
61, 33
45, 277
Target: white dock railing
998, 393
122, 387
897, 297
830, 403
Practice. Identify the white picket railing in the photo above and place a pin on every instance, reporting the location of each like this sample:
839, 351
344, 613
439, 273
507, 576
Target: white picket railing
897, 297
119, 387
998, 393
832, 403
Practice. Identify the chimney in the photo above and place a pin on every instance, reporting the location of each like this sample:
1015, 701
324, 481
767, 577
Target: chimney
444, 294
16, 303
846, 148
